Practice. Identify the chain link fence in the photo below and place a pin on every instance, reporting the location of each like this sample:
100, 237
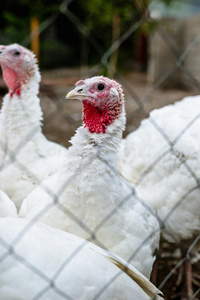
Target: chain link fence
61, 118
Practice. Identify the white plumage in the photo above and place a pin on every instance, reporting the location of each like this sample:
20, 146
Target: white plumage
92, 197
26, 156
7, 207
57, 265
168, 179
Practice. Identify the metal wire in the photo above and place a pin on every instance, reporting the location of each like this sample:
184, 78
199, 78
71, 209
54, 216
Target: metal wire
139, 102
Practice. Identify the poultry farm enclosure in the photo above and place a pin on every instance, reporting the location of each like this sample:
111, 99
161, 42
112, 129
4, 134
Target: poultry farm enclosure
62, 117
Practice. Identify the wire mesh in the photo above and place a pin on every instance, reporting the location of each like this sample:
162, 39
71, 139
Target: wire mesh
169, 260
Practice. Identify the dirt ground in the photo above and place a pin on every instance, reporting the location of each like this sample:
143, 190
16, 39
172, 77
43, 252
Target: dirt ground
62, 117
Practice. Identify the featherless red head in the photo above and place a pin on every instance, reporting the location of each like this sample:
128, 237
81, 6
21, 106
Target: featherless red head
18, 66
102, 102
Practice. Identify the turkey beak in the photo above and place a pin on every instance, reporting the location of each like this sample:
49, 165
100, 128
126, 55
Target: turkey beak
3, 54
78, 93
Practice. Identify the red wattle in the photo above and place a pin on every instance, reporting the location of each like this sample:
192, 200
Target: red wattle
10, 78
18, 92
97, 119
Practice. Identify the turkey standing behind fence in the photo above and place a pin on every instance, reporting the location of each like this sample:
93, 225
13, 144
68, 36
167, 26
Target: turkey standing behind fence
26, 156
162, 157
90, 198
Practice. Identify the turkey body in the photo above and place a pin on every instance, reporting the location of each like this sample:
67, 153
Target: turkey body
91, 199
53, 264
26, 156
164, 162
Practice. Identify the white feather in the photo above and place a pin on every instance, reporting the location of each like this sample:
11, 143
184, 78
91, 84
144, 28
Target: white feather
77, 269
91, 189
167, 184
26, 156
7, 207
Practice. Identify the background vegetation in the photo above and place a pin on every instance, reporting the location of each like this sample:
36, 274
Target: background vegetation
61, 44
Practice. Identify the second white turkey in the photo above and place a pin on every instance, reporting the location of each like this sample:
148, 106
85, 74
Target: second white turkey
26, 156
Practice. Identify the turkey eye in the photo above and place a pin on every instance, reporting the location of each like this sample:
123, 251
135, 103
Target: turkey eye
17, 53
100, 86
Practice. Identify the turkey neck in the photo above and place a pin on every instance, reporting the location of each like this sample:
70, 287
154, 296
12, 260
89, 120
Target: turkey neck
104, 146
21, 114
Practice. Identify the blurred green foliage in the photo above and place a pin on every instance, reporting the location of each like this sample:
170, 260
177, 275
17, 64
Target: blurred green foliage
15, 16
55, 53
16, 28
67, 43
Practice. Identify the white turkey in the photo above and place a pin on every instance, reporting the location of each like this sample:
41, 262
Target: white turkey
26, 156
162, 158
90, 198
47, 263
